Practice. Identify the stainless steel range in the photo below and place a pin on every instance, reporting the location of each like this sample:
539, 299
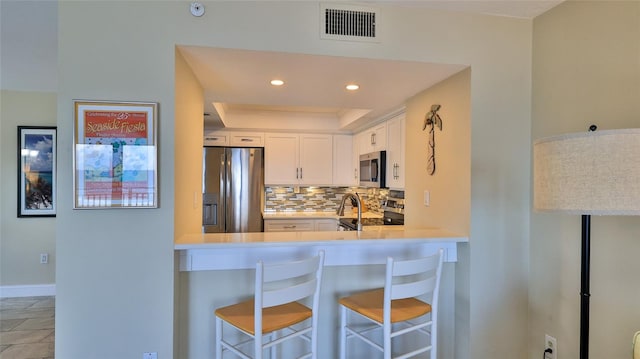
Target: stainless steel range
393, 214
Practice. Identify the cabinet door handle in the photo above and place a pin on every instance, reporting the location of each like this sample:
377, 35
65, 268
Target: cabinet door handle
246, 140
300, 172
297, 173
289, 227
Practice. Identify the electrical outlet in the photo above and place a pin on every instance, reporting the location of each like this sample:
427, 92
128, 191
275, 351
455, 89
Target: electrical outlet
550, 343
44, 258
150, 355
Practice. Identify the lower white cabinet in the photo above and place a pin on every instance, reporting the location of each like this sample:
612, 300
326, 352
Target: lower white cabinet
300, 225
325, 224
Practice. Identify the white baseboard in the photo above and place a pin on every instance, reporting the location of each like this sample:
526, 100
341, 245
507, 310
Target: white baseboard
35, 290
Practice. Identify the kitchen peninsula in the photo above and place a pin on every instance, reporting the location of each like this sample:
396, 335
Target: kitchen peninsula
224, 251
218, 269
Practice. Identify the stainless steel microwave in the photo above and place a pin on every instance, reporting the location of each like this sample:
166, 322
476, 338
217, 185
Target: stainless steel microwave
373, 169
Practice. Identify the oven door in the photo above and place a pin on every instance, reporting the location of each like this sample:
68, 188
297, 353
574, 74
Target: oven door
393, 218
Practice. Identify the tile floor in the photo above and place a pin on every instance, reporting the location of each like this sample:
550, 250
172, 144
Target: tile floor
27, 327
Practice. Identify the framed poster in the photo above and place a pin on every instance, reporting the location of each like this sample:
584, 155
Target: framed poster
115, 155
36, 171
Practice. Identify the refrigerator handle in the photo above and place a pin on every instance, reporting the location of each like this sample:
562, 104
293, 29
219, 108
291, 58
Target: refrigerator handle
228, 191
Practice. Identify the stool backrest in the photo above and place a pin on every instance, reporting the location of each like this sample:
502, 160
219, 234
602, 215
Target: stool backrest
288, 282
414, 278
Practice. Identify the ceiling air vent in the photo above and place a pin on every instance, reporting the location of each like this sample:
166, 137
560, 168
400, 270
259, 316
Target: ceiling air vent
346, 22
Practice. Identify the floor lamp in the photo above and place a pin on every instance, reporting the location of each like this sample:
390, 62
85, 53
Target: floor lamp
590, 173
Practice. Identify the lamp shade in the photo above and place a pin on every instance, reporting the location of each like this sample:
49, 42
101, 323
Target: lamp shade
593, 173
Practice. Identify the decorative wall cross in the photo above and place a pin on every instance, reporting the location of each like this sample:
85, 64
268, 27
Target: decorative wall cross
431, 120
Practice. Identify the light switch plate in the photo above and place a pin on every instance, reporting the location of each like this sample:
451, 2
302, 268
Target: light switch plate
427, 199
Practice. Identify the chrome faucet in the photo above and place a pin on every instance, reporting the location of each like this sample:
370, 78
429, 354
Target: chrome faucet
340, 210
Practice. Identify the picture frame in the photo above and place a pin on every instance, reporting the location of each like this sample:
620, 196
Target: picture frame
37, 171
115, 155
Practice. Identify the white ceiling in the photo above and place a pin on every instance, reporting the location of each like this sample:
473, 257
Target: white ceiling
239, 81
236, 82
240, 78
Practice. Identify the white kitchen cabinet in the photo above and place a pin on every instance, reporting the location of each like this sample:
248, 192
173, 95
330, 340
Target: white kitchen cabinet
396, 152
216, 138
316, 159
289, 225
304, 159
281, 159
345, 164
325, 225
300, 225
246, 139
373, 139
234, 139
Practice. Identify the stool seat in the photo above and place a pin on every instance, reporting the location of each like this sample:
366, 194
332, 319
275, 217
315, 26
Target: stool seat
370, 304
275, 318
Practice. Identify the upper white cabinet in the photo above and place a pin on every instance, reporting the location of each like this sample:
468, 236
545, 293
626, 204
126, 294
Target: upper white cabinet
316, 159
234, 139
246, 139
373, 139
292, 159
345, 164
216, 138
396, 152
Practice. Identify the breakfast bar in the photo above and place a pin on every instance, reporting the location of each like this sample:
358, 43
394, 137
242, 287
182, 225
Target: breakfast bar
225, 251
217, 269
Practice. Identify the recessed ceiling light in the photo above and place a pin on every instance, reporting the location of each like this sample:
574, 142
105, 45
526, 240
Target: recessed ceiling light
277, 82
352, 87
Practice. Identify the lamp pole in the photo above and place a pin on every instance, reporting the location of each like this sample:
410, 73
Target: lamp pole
584, 289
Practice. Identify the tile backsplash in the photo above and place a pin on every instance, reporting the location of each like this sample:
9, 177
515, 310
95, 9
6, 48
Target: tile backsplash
319, 199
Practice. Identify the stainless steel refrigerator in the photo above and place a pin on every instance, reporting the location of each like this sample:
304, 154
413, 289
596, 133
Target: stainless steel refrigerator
232, 189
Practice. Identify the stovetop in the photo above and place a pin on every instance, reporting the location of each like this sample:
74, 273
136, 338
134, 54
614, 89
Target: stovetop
351, 222
387, 220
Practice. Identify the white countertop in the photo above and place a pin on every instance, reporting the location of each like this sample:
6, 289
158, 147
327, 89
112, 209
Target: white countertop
317, 215
373, 234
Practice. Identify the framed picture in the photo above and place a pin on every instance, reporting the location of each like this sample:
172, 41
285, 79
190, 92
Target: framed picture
36, 171
115, 155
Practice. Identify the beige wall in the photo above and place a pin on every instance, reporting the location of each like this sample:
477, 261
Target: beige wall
115, 267
114, 275
188, 126
23, 239
586, 70
449, 188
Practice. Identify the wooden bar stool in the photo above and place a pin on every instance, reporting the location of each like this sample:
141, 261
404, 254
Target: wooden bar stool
408, 303
276, 314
